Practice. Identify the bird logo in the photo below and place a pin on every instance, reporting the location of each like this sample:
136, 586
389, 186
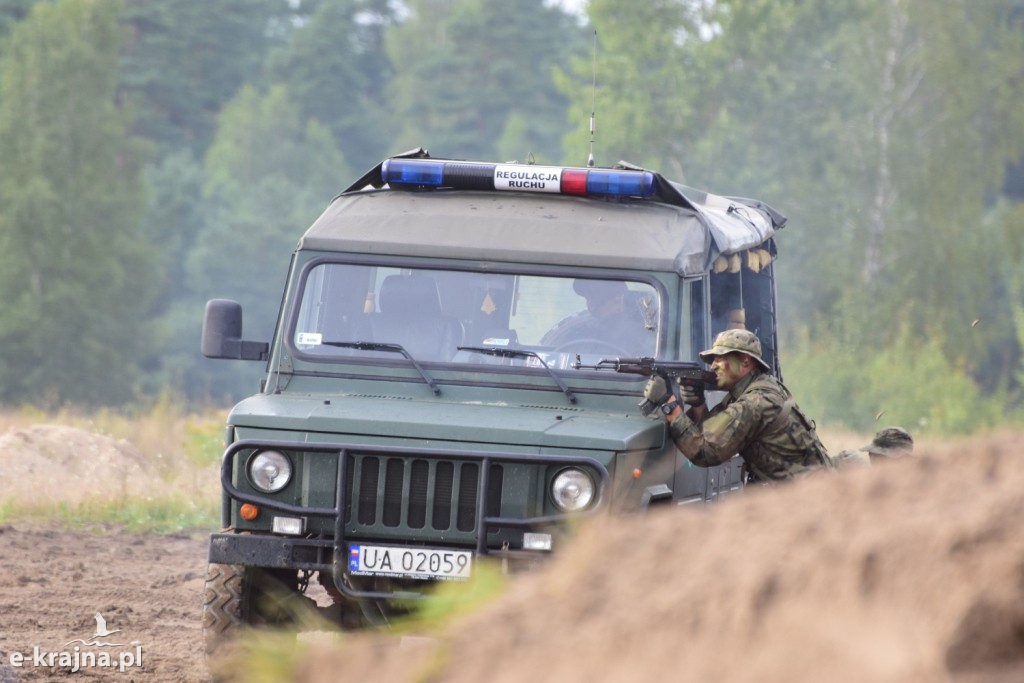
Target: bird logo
101, 632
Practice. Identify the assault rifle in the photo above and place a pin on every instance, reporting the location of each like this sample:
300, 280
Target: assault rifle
683, 372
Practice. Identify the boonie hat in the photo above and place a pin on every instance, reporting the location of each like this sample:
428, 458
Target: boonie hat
604, 289
890, 441
733, 341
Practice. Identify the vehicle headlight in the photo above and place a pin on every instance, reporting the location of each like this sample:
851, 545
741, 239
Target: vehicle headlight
572, 490
270, 471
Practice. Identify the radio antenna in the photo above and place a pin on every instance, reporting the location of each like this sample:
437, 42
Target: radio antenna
593, 105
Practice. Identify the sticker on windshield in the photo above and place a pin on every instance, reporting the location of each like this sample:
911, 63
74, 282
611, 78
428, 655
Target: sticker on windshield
309, 338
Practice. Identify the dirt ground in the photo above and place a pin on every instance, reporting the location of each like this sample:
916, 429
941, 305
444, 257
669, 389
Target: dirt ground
910, 571
54, 580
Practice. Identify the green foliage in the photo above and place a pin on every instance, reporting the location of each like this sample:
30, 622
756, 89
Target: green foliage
184, 60
73, 263
269, 173
166, 515
263, 142
643, 77
450, 601
13, 11
882, 129
909, 383
274, 655
177, 447
204, 442
174, 219
262, 656
842, 116
337, 72
463, 68
173, 223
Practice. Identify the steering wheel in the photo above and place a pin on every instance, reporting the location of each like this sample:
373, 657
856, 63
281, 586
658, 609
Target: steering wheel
591, 345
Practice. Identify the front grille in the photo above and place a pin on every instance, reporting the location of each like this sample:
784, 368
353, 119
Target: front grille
420, 494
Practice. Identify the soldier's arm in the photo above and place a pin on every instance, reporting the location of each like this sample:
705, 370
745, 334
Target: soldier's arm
720, 436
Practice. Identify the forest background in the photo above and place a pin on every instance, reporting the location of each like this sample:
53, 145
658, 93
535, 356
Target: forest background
155, 154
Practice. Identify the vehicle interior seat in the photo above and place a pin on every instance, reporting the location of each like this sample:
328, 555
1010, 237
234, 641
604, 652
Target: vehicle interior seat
410, 315
348, 326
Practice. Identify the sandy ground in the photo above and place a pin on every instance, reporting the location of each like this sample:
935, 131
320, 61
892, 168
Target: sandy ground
53, 581
908, 572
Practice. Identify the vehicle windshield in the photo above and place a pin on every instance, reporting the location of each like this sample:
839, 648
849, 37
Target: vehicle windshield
347, 308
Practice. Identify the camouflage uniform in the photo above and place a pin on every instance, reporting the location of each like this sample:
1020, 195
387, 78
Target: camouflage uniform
891, 442
758, 419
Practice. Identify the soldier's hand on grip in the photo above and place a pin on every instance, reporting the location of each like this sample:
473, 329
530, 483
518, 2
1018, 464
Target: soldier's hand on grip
691, 395
656, 390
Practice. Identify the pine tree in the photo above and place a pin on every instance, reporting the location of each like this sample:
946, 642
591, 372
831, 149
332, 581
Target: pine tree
269, 173
183, 60
465, 68
337, 72
74, 269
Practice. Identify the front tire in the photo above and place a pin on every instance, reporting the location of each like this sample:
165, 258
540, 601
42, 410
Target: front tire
236, 597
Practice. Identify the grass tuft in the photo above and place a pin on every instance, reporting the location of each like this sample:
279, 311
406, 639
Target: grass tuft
451, 600
178, 450
172, 514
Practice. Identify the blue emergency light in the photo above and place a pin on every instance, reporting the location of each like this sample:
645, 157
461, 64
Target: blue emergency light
469, 175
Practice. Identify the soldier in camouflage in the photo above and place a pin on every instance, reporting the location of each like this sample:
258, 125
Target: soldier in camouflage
758, 418
891, 442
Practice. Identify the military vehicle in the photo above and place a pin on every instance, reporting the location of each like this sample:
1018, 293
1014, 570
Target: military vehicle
437, 391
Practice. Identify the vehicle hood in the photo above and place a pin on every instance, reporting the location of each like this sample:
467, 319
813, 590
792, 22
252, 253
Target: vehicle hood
435, 422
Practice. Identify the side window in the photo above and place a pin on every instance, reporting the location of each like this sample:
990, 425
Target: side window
692, 343
742, 288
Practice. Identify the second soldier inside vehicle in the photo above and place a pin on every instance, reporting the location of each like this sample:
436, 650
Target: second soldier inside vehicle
616, 320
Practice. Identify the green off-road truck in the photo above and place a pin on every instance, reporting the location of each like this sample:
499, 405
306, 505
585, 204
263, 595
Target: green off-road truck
442, 384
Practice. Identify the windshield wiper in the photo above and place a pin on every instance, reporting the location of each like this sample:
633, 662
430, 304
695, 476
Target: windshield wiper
391, 348
521, 353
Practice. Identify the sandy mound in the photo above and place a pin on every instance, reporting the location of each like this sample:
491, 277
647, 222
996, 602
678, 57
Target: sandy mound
49, 463
912, 571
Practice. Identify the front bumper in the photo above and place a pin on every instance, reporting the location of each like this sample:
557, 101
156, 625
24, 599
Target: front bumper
329, 553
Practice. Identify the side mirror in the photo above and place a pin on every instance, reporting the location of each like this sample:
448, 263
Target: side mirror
222, 333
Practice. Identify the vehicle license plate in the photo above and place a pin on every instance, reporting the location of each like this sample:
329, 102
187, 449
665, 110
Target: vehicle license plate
415, 563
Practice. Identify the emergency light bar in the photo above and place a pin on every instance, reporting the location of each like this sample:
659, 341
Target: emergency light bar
468, 175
